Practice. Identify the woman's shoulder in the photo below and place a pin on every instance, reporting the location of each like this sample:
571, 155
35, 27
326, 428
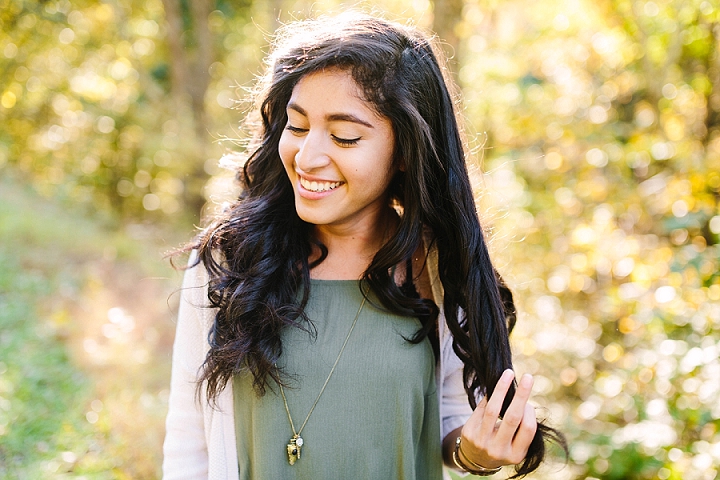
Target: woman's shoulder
195, 273
194, 300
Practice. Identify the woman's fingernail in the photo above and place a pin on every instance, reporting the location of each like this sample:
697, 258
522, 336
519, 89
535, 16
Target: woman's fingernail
526, 381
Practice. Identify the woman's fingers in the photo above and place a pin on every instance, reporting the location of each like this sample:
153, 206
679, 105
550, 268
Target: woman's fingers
492, 410
515, 412
489, 442
524, 435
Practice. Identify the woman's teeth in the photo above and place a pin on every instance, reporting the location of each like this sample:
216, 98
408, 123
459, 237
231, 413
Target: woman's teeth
319, 186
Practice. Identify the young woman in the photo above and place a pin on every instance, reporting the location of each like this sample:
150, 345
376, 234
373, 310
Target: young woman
343, 318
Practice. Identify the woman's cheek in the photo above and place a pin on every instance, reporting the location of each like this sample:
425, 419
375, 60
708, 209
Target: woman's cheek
287, 150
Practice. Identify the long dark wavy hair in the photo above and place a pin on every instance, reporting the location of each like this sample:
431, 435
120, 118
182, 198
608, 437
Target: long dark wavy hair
256, 252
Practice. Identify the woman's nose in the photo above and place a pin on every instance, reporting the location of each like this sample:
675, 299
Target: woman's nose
312, 153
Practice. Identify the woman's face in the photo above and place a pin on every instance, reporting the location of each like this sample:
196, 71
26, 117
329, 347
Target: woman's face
337, 152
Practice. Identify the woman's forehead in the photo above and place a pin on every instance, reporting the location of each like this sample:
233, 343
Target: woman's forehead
332, 89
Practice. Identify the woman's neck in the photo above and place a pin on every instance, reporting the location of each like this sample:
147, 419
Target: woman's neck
351, 249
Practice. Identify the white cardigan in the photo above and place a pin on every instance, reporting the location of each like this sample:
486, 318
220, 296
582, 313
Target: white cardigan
200, 439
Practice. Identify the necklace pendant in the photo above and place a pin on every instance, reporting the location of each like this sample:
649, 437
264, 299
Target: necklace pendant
293, 449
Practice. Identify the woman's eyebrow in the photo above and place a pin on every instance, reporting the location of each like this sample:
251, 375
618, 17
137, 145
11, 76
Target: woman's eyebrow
332, 117
347, 117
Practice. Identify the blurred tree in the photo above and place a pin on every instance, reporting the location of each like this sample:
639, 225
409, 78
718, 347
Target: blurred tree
601, 124
83, 98
191, 54
447, 19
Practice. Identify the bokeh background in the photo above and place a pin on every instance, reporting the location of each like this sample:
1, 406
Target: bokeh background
594, 128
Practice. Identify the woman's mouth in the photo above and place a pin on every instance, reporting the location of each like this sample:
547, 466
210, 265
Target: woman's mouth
318, 187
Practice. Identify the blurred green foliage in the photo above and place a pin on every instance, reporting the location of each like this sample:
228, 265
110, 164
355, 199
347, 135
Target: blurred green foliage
603, 168
86, 103
43, 392
600, 179
85, 333
37, 381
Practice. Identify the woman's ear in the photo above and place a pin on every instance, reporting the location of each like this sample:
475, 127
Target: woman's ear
401, 165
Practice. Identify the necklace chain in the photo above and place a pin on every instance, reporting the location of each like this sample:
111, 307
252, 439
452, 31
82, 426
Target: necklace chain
296, 441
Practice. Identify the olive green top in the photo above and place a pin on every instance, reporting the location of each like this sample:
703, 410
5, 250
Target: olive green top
378, 417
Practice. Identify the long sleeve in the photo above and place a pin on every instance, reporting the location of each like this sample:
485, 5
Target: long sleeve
185, 449
455, 407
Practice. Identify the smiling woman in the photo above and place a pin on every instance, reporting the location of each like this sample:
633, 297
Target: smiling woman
357, 325
338, 154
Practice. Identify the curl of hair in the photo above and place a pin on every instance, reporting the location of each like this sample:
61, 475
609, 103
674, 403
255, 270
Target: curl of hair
257, 252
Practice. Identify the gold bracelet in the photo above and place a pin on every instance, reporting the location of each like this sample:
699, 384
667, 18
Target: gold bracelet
476, 469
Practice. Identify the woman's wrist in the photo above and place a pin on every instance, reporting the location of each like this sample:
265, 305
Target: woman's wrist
464, 463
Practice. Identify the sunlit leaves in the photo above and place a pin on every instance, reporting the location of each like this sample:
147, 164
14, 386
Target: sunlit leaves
613, 145
81, 105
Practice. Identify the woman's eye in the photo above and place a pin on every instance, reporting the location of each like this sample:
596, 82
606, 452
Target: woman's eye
292, 129
346, 142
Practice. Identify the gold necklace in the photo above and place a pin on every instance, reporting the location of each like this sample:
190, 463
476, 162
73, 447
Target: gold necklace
296, 441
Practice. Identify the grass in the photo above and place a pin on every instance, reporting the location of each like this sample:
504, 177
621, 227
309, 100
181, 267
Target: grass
40, 390
85, 340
